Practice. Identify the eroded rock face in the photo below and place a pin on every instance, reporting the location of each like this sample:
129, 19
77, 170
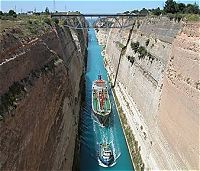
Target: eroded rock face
162, 79
179, 105
40, 123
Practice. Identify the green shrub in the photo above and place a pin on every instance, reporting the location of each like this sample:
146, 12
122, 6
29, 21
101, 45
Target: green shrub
17, 90
178, 17
156, 11
11, 12
142, 52
192, 17
144, 11
120, 45
55, 20
135, 46
33, 30
138, 24
47, 21
15, 15
30, 22
131, 59
36, 22
8, 99
170, 16
151, 57
147, 42
7, 17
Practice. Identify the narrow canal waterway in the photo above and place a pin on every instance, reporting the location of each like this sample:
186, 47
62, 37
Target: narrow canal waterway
91, 133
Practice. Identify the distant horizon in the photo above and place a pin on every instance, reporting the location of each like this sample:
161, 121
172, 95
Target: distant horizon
88, 6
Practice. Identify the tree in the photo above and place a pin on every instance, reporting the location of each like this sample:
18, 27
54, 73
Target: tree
1, 13
126, 12
134, 12
156, 11
135, 46
192, 8
48, 21
170, 7
147, 42
55, 20
11, 12
181, 7
15, 15
46, 10
144, 11
142, 52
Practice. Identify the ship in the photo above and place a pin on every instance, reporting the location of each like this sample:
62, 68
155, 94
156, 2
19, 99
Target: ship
105, 154
100, 101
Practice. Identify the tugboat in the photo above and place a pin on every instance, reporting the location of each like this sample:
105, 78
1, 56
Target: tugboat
106, 155
100, 100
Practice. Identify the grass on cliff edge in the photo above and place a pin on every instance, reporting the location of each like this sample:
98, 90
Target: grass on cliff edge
26, 26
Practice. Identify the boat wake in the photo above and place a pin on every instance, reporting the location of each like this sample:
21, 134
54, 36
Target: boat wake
101, 133
115, 153
103, 165
95, 119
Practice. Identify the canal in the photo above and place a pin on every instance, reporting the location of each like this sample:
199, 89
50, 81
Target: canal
91, 133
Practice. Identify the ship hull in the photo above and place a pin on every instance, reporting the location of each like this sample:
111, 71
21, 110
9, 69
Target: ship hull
100, 101
103, 120
106, 160
107, 163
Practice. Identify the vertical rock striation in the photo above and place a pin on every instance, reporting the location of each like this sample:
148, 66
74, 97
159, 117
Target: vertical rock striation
159, 81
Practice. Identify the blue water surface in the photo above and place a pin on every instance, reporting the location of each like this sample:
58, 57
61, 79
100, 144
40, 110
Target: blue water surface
92, 134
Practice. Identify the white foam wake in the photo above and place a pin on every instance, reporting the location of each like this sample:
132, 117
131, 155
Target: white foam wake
103, 165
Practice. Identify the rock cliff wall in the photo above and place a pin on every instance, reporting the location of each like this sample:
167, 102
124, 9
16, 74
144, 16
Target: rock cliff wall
40, 98
159, 80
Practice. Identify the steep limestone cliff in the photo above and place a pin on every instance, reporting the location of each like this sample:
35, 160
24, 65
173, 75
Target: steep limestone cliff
158, 87
40, 98
179, 105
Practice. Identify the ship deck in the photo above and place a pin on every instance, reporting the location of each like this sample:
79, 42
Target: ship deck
106, 106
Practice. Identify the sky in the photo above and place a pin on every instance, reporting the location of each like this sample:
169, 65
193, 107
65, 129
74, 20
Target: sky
89, 6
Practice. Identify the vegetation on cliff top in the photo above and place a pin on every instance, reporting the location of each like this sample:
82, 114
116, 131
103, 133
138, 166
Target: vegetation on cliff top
29, 25
173, 10
24, 25
172, 7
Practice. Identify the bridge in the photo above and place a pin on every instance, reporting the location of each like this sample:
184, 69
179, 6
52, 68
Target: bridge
97, 20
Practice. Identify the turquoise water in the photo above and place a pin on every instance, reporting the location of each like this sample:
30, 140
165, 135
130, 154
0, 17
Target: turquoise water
91, 132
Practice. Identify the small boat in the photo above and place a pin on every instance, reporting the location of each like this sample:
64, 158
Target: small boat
106, 155
100, 100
